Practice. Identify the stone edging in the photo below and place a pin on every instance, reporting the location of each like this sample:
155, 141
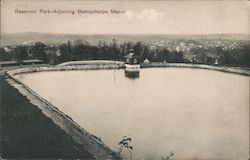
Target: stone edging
234, 70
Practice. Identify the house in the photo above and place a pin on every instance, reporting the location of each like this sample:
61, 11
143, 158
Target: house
132, 59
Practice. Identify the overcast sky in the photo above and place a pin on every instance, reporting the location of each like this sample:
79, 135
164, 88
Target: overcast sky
150, 17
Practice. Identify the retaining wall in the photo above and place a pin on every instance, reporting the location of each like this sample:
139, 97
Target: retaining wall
67, 68
235, 70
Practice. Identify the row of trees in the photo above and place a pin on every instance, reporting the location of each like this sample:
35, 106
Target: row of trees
228, 57
82, 50
24, 52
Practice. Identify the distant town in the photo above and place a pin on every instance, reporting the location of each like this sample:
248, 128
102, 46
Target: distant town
198, 50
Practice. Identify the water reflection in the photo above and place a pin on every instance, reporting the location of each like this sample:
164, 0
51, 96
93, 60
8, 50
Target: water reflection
132, 74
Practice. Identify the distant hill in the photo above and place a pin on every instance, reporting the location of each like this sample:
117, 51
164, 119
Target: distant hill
31, 37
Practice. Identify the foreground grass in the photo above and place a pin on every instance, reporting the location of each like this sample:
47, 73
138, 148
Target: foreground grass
26, 133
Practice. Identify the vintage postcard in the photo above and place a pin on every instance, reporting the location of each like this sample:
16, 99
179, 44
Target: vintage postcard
131, 80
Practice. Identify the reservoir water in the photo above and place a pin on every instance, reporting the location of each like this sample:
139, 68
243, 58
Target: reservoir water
195, 113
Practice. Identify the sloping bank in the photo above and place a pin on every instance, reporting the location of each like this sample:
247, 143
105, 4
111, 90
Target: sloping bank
91, 143
235, 70
26, 133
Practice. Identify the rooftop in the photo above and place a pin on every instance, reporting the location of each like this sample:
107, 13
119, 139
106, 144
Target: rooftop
131, 55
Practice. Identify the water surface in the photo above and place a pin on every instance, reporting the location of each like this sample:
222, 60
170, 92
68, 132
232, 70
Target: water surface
195, 113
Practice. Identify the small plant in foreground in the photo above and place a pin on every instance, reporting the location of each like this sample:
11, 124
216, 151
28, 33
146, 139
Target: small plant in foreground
169, 156
124, 143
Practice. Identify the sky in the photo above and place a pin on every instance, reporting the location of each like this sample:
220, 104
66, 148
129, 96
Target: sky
140, 17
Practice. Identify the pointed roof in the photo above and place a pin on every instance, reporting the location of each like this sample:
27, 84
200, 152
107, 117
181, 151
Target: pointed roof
146, 61
131, 55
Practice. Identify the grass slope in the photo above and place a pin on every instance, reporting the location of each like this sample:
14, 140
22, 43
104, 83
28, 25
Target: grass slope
27, 133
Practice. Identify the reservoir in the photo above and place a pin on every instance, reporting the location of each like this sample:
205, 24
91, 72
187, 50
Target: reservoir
195, 113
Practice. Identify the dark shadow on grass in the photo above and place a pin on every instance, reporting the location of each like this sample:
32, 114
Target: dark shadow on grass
27, 133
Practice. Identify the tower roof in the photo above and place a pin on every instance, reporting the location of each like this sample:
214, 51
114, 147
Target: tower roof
131, 55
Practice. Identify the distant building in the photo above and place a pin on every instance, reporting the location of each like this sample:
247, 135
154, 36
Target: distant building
152, 48
146, 61
131, 59
7, 49
182, 44
177, 48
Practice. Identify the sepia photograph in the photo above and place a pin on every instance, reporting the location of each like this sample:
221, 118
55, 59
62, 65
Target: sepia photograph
125, 80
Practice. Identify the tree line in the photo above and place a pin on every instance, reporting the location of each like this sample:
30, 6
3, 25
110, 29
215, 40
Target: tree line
83, 50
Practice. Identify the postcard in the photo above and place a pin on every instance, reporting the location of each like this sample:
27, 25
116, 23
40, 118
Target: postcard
132, 80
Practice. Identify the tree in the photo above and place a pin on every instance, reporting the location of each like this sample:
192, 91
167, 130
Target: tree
65, 51
38, 51
20, 53
124, 143
4, 56
164, 54
175, 57
78, 51
52, 55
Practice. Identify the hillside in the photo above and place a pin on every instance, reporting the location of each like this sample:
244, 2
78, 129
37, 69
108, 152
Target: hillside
31, 37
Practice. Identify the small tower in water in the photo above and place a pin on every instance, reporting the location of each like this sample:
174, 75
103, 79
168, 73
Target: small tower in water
132, 65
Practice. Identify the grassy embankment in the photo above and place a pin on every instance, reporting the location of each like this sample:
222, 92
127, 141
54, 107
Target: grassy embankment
27, 133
